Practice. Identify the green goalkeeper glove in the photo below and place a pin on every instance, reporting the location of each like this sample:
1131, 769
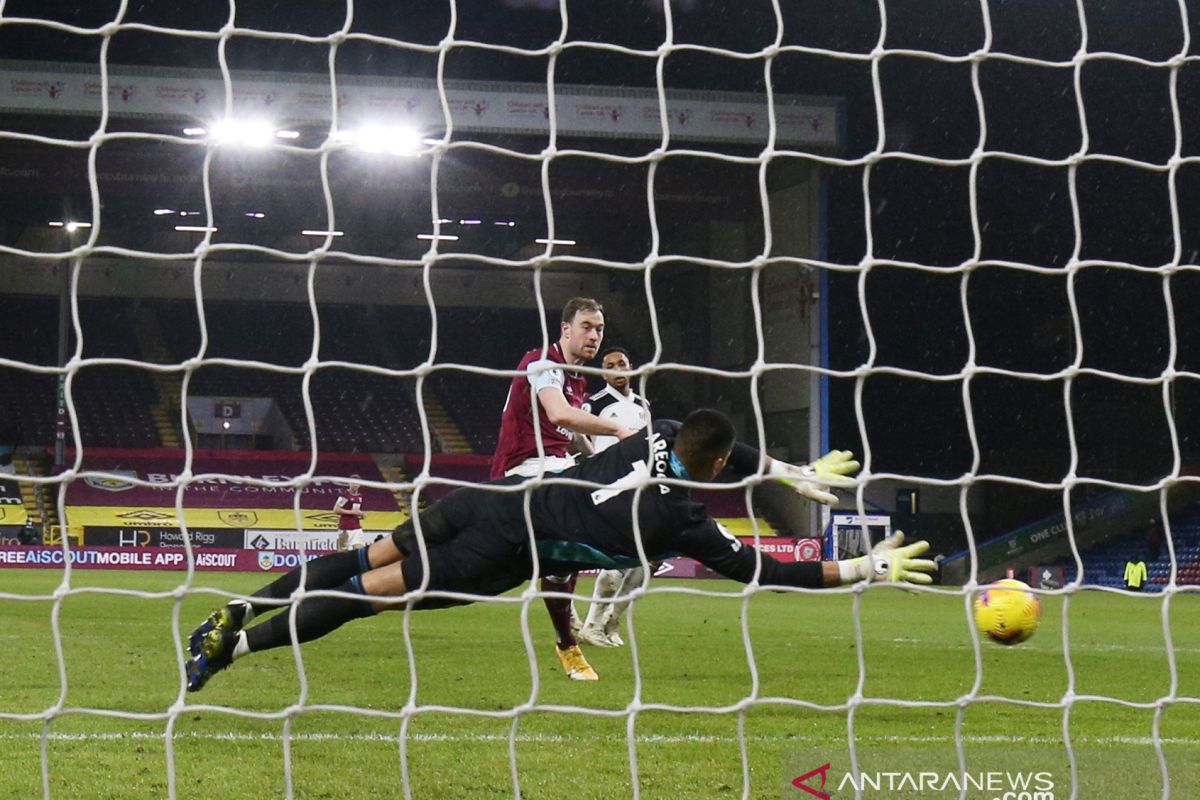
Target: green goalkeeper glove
832, 470
892, 561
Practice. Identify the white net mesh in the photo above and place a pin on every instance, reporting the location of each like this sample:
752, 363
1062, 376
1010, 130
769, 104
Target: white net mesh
743, 142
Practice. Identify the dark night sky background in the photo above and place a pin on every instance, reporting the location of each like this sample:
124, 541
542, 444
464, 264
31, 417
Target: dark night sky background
919, 213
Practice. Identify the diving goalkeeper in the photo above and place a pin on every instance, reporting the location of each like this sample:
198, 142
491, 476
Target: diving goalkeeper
477, 542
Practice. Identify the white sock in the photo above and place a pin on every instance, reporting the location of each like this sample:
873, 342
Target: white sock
247, 610
607, 583
241, 648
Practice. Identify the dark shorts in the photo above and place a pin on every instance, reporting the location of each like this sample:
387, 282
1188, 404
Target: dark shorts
485, 559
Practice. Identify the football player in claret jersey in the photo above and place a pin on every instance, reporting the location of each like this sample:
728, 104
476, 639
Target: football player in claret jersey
350, 513
616, 401
559, 392
477, 541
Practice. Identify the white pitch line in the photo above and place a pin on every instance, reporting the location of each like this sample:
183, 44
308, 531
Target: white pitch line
1044, 645
553, 739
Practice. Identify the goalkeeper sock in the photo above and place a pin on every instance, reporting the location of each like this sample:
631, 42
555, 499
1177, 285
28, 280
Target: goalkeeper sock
315, 617
326, 572
560, 609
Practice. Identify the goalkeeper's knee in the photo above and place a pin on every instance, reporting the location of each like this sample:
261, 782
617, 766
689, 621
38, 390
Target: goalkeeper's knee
434, 529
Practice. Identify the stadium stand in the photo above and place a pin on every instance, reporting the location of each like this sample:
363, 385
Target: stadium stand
1104, 565
355, 411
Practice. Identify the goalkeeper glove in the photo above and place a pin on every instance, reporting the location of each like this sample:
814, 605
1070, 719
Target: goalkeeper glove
892, 561
814, 480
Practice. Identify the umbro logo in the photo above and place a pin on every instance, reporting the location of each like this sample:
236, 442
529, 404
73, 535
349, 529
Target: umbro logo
144, 515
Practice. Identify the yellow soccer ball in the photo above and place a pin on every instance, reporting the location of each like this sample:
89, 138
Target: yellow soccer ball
1007, 612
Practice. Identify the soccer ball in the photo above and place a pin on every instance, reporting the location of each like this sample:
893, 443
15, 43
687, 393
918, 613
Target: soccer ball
1007, 612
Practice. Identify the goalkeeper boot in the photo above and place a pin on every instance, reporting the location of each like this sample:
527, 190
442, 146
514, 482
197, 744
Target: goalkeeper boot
575, 665
216, 653
612, 632
595, 635
228, 617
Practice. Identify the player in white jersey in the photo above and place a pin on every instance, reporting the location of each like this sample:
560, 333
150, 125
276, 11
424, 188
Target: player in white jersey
618, 402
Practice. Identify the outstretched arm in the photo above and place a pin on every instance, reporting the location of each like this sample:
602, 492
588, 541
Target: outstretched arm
560, 412
815, 480
890, 560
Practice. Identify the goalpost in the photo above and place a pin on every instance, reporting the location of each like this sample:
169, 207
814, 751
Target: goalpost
773, 146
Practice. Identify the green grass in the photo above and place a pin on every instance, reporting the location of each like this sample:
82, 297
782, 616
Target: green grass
119, 656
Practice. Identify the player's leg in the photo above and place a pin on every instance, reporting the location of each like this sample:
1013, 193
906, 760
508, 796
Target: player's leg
608, 581
560, 607
632, 579
484, 561
314, 617
327, 572
576, 620
566, 646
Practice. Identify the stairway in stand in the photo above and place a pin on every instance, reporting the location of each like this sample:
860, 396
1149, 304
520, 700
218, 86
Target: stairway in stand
165, 411
40, 500
446, 436
392, 469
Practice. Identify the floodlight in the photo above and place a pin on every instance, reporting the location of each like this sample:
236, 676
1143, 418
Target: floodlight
393, 140
242, 132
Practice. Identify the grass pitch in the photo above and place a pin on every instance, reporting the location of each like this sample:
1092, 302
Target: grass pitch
344, 733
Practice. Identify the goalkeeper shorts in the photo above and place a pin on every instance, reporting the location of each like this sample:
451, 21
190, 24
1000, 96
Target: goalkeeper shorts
485, 559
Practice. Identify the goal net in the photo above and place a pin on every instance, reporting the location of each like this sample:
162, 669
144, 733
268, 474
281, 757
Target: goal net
257, 254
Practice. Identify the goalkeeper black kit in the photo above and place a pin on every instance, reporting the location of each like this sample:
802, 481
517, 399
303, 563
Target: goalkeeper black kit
571, 522
581, 527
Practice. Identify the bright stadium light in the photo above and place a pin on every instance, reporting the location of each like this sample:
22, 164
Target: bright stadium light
70, 226
321, 233
256, 214
437, 237
508, 223
564, 242
242, 132
397, 141
470, 222
286, 134
194, 131
162, 212
195, 229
